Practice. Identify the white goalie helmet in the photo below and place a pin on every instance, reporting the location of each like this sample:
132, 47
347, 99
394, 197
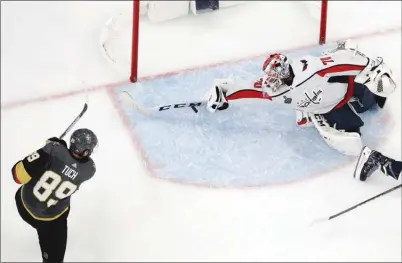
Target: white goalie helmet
276, 68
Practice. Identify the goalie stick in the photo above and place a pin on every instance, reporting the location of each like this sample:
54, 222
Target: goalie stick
147, 111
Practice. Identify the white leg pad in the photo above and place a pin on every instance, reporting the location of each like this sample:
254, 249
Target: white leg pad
348, 143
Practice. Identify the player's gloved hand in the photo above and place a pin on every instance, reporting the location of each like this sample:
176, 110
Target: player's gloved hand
217, 99
303, 119
377, 77
55, 139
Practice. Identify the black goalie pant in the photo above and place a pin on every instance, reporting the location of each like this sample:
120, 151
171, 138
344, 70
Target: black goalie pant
348, 119
52, 234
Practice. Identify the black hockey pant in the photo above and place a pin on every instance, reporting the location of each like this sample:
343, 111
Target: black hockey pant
52, 234
346, 117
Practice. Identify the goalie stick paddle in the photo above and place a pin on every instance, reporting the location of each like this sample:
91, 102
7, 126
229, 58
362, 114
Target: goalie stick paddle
147, 111
357, 205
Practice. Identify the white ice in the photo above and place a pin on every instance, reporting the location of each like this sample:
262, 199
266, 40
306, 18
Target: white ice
123, 214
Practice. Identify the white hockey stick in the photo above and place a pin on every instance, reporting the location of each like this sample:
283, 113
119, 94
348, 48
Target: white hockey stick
147, 111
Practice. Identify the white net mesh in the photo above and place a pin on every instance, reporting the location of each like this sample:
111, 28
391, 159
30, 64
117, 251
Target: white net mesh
248, 29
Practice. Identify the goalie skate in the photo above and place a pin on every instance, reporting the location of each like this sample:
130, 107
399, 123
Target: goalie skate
366, 165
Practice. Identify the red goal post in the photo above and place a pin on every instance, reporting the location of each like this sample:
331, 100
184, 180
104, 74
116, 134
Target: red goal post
136, 22
134, 48
323, 22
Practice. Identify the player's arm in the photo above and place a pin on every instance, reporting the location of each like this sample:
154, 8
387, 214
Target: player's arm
344, 60
373, 73
34, 165
347, 60
225, 89
88, 174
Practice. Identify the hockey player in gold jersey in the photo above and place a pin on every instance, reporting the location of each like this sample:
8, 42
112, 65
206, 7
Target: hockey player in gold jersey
49, 176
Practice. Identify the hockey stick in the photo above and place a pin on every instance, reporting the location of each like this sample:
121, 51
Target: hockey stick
75, 121
78, 117
366, 201
130, 100
359, 204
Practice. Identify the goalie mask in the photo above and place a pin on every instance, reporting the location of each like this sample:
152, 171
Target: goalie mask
277, 73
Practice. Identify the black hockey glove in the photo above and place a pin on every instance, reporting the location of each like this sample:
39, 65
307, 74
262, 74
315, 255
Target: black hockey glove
55, 139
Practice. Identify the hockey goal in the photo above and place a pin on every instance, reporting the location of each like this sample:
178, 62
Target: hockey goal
126, 30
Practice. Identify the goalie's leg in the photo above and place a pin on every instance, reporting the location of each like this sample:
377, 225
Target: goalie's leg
344, 118
370, 161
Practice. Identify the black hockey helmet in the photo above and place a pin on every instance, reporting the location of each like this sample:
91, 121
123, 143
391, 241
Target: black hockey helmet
83, 142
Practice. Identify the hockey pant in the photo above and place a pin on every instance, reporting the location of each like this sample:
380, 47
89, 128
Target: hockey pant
52, 234
346, 117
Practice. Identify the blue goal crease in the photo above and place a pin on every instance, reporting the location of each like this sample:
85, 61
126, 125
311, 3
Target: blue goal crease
253, 143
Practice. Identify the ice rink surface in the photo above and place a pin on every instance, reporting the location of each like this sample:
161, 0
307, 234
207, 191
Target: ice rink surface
50, 51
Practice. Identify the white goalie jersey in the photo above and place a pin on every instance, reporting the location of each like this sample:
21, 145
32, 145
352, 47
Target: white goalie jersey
314, 86
320, 84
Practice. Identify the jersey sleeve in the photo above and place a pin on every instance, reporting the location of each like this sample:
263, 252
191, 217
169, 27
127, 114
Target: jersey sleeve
342, 63
32, 166
89, 172
92, 170
242, 91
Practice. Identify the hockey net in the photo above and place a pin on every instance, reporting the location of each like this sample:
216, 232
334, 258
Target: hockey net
148, 36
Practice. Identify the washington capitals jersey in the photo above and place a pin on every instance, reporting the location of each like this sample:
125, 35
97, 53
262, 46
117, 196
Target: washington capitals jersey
320, 83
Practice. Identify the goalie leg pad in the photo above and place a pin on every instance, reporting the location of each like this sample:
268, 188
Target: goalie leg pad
348, 143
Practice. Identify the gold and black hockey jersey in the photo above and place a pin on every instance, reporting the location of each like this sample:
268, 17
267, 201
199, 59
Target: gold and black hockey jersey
49, 177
